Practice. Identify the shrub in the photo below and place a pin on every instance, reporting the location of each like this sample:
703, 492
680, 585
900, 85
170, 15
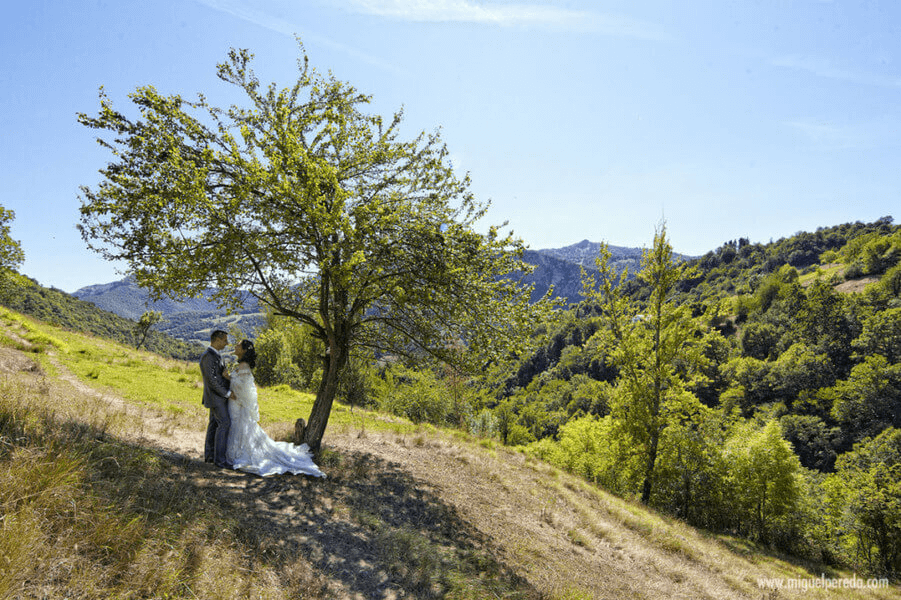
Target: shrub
870, 485
855, 270
274, 365
891, 281
415, 394
764, 481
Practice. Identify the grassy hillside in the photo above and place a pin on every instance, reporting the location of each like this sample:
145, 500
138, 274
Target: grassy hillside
59, 308
103, 494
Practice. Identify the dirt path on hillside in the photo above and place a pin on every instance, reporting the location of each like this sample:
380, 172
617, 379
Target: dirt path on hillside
152, 427
561, 536
398, 512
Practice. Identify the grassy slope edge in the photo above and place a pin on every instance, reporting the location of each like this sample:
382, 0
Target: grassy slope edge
92, 506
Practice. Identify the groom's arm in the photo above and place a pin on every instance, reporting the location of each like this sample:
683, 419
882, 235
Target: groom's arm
212, 373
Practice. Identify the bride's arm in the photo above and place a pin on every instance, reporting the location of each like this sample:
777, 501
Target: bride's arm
238, 389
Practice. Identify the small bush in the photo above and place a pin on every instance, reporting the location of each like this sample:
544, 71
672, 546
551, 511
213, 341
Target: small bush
416, 395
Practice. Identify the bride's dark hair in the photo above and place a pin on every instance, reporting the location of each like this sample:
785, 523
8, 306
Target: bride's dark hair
250, 354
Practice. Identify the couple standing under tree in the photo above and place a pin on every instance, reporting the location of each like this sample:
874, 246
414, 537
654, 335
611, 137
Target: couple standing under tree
234, 438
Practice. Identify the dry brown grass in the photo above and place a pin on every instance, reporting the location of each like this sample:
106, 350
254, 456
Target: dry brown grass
88, 515
572, 540
92, 509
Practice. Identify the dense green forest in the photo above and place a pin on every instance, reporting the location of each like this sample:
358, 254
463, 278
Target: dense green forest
59, 308
755, 390
778, 406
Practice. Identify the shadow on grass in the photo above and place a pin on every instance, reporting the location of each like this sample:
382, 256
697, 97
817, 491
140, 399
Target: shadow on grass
370, 525
156, 523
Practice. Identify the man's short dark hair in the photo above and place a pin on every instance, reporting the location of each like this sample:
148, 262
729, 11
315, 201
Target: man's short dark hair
218, 333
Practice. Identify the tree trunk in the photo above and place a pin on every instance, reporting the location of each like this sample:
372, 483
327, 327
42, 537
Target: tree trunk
334, 360
649, 470
657, 399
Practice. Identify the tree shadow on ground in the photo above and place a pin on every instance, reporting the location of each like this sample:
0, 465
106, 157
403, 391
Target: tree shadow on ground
370, 526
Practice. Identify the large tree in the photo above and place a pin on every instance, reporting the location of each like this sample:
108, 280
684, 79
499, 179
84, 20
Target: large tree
319, 210
11, 255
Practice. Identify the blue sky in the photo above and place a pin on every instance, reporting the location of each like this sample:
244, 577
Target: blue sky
577, 119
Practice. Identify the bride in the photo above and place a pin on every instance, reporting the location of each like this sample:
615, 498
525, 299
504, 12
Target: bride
249, 448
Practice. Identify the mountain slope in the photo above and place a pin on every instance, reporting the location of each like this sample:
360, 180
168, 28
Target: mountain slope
186, 319
585, 252
405, 511
126, 298
60, 308
562, 274
190, 319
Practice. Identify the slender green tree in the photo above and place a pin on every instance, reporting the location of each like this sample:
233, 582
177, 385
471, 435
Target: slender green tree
145, 324
872, 477
765, 477
655, 349
882, 335
869, 400
319, 210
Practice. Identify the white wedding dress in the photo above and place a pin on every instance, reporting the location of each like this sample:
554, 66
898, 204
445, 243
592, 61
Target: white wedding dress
249, 448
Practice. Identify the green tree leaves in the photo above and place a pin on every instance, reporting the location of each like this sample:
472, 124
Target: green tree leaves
765, 477
868, 487
145, 324
656, 350
11, 254
316, 208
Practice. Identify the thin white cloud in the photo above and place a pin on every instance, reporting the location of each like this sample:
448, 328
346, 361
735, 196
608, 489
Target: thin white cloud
828, 69
252, 15
833, 137
511, 15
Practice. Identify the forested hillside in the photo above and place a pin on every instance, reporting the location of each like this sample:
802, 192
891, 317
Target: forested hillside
552, 272
754, 390
191, 319
560, 268
59, 308
756, 347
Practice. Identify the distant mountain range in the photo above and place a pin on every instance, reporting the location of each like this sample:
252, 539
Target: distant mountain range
562, 267
127, 299
193, 319
190, 320
585, 252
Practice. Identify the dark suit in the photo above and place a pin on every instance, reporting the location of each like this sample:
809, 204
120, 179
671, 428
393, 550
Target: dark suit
215, 397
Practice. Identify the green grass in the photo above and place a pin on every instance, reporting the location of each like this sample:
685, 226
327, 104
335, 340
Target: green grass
39, 337
86, 515
171, 385
824, 272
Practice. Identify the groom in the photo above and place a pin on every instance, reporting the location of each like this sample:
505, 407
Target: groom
215, 397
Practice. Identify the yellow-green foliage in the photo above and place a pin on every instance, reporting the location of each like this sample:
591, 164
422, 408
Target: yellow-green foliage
765, 478
31, 331
588, 447
866, 519
829, 272
874, 252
